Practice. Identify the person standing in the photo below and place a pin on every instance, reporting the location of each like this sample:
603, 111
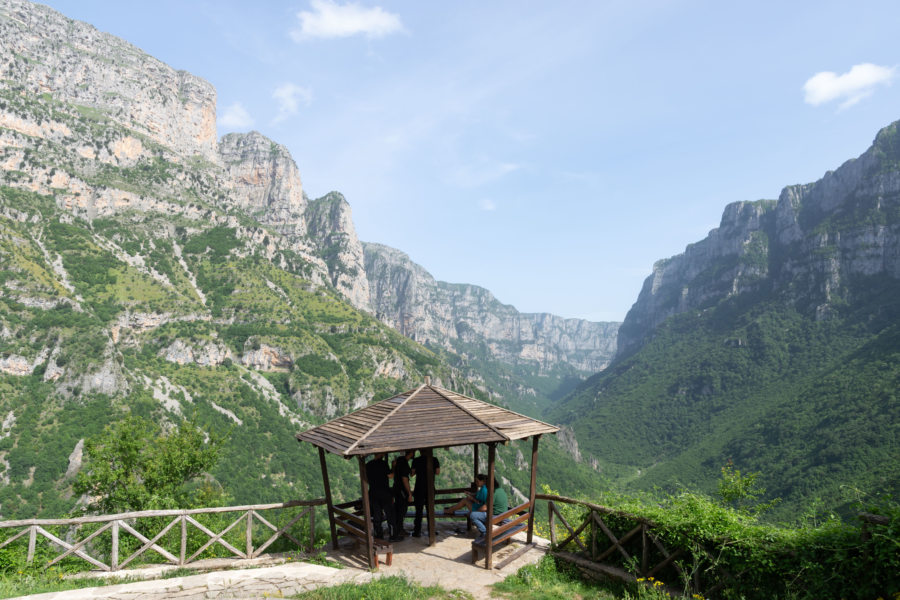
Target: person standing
420, 492
403, 495
380, 501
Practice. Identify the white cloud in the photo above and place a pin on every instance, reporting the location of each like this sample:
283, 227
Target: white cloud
850, 87
235, 116
328, 19
487, 204
289, 97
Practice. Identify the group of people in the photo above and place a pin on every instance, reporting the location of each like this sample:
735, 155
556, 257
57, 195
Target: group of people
389, 502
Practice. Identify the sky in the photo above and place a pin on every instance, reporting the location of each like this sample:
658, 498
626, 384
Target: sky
551, 152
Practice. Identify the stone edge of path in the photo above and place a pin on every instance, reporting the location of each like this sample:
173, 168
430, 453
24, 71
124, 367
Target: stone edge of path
281, 580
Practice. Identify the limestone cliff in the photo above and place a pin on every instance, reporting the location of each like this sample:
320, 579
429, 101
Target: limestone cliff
333, 234
266, 182
74, 62
107, 129
808, 245
405, 296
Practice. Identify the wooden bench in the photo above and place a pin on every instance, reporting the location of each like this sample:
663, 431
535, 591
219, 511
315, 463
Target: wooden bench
504, 527
459, 514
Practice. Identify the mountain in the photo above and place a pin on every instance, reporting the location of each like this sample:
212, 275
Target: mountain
148, 268
549, 354
774, 342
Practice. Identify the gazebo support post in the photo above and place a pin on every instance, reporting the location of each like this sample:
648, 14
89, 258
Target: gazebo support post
475, 463
367, 511
489, 522
429, 479
534, 457
328, 501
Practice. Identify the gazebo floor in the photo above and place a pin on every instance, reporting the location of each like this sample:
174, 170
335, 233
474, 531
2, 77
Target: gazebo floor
449, 562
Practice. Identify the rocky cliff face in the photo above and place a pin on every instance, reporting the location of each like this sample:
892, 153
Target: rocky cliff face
809, 245
266, 182
73, 62
333, 234
107, 129
407, 297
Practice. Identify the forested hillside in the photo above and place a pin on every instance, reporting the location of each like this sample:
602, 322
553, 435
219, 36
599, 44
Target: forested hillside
774, 344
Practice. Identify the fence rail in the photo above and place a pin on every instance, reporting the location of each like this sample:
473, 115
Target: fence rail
126, 523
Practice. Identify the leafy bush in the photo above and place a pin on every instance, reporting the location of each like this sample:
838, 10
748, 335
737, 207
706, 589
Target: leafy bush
134, 466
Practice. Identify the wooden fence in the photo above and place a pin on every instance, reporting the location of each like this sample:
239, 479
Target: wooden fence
618, 544
127, 523
625, 546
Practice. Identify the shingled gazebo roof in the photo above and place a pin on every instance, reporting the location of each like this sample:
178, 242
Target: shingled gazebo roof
427, 417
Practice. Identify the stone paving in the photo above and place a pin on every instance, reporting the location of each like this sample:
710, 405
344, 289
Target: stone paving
447, 563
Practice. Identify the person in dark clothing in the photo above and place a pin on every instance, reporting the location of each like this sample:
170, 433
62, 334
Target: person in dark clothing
403, 495
378, 472
420, 493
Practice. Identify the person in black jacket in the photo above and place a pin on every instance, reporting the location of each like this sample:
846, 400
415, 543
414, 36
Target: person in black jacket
420, 493
380, 501
403, 495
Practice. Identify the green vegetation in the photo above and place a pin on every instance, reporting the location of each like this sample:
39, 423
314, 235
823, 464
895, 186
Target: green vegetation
550, 579
135, 466
384, 588
756, 381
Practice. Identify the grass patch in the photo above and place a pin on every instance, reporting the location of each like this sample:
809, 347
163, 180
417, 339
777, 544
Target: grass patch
549, 580
384, 588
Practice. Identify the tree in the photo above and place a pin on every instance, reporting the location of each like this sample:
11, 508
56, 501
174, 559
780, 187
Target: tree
741, 491
134, 465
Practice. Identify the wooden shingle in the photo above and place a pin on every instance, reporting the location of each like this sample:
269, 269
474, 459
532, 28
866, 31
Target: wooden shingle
427, 417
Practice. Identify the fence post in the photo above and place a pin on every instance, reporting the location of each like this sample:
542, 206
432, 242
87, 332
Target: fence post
114, 551
551, 521
183, 553
32, 540
312, 529
645, 550
250, 533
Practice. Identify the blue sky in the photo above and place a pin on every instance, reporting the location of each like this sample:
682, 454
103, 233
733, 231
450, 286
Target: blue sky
548, 151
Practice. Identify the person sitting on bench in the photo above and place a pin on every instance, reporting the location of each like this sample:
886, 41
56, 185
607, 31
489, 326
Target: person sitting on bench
479, 498
479, 516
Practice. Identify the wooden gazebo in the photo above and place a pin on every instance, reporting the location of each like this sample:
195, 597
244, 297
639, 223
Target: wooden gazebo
425, 418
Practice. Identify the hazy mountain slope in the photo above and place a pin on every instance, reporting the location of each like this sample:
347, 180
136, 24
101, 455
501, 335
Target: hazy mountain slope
772, 342
527, 359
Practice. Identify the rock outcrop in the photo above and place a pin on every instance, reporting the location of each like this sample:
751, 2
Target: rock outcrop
808, 244
266, 182
333, 234
405, 296
73, 62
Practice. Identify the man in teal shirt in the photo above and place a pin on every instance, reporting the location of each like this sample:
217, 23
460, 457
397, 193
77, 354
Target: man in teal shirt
479, 516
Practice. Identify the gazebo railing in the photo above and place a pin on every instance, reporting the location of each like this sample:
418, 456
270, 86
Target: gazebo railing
348, 516
95, 546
